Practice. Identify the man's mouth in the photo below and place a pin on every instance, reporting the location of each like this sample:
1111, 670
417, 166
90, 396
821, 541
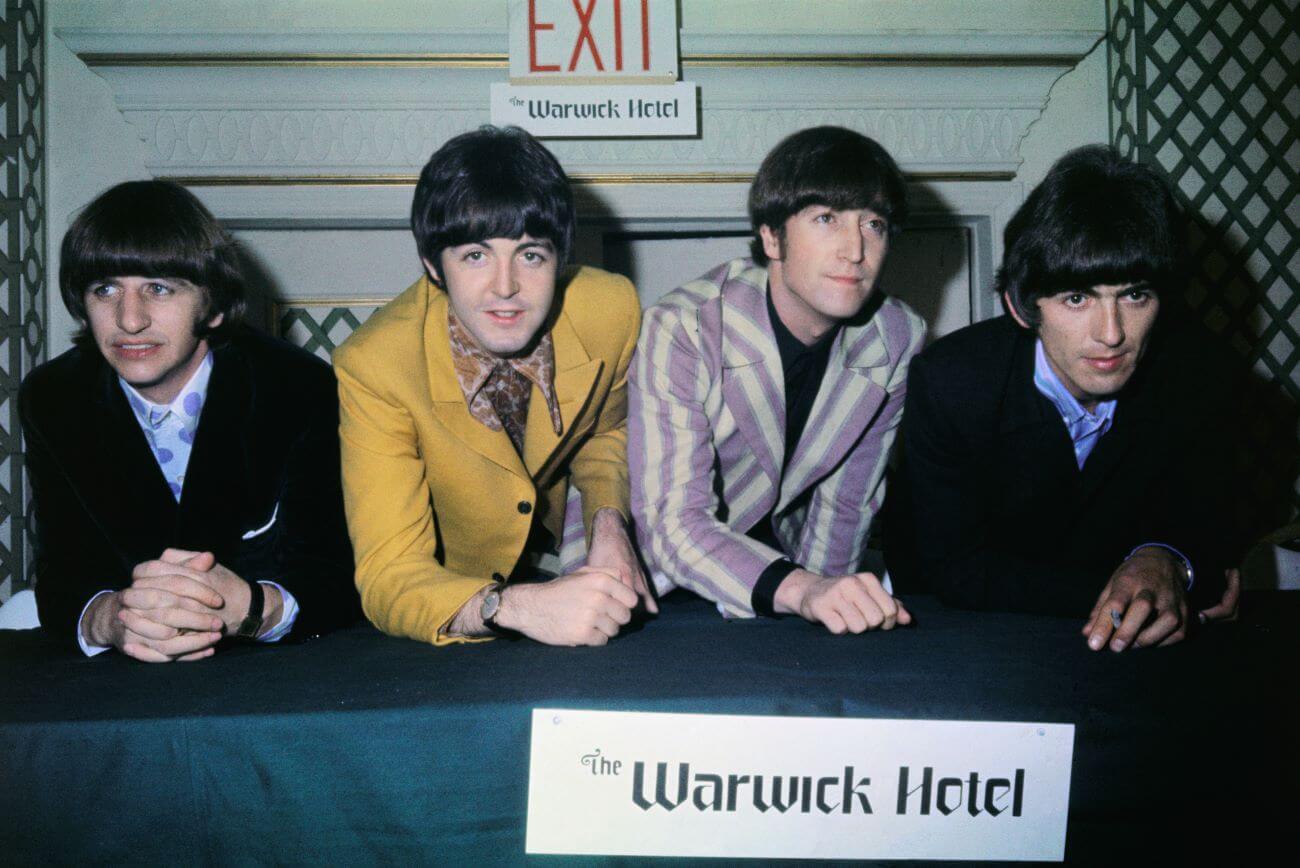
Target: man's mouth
1105, 364
134, 350
504, 317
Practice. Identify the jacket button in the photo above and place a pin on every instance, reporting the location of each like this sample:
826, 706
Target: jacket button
525, 507
497, 577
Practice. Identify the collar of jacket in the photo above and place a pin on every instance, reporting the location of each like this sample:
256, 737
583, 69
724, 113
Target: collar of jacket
575, 378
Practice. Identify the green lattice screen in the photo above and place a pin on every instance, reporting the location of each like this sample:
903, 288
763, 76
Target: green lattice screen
1208, 92
22, 262
320, 327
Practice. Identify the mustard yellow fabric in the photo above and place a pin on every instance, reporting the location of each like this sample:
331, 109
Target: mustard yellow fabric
432, 495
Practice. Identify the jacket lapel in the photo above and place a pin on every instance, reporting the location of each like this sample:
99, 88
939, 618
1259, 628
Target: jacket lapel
1034, 444
575, 378
448, 401
1135, 418
213, 494
137, 504
753, 386
851, 394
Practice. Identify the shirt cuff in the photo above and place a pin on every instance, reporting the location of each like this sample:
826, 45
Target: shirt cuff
1187, 565
86, 648
288, 614
763, 598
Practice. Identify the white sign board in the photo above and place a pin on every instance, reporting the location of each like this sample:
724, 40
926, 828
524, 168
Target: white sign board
602, 111
553, 40
633, 784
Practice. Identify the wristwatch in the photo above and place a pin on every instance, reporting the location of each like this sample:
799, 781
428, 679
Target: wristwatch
489, 609
252, 623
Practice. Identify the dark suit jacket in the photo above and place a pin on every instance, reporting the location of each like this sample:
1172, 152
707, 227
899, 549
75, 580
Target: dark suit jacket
991, 511
268, 437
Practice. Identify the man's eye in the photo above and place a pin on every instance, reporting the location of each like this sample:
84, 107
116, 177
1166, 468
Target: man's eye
824, 217
535, 257
1138, 296
102, 290
159, 289
878, 226
473, 256
1075, 299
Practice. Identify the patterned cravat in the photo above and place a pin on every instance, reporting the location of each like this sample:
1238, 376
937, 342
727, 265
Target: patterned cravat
496, 390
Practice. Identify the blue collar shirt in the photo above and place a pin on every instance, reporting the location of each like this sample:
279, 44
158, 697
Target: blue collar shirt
1085, 428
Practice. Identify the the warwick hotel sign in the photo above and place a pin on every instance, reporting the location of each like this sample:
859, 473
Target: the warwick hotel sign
619, 783
595, 69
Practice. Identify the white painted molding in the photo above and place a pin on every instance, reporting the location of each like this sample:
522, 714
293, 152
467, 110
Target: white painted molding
321, 130
947, 103
1069, 46
276, 121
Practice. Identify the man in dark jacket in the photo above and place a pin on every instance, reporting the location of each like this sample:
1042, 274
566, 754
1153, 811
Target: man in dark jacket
184, 470
1069, 457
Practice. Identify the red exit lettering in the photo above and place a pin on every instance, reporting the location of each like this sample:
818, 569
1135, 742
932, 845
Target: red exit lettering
586, 37
533, 26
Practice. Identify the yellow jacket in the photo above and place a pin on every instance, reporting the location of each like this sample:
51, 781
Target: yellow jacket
438, 505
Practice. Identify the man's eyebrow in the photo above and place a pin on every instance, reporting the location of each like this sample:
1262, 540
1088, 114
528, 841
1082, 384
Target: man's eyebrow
537, 242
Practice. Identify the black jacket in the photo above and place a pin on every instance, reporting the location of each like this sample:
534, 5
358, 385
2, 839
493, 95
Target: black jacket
990, 509
267, 444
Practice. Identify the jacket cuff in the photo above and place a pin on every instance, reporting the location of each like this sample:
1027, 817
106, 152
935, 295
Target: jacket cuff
763, 598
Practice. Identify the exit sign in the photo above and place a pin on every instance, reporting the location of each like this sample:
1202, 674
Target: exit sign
593, 41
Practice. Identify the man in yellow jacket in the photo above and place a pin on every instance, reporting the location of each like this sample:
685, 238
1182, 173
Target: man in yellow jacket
482, 416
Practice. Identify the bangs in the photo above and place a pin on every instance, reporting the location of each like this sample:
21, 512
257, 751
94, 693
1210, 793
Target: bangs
829, 166
491, 183
510, 213
152, 229
1109, 249
848, 194
135, 262
1095, 220
116, 240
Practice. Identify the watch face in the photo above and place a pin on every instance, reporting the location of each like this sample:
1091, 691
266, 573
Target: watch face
491, 603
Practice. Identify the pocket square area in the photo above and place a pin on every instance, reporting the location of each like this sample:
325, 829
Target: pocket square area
264, 528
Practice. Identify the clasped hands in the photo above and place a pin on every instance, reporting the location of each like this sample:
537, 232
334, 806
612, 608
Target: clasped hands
177, 608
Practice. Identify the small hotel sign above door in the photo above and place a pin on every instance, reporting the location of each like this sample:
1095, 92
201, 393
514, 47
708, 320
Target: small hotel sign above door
595, 69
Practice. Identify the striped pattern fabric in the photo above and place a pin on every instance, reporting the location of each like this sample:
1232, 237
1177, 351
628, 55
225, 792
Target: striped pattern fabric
706, 438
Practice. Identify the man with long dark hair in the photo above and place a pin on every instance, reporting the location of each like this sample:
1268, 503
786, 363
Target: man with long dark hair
184, 469
1069, 456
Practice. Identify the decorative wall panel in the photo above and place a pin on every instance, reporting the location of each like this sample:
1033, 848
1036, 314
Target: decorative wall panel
955, 106
1208, 91
22, 263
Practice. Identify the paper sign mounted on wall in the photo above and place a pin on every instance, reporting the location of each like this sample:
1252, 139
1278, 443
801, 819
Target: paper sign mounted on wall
595, 69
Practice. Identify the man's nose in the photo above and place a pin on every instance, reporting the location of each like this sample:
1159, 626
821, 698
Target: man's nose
1108, 326
504, 281
132, 312
851, 243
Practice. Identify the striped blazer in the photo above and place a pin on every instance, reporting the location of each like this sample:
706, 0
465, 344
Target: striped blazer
706, 437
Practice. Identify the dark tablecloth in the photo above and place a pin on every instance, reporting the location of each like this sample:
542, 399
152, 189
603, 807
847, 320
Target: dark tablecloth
356, 748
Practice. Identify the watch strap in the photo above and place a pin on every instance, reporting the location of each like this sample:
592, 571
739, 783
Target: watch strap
488, 611
252, 623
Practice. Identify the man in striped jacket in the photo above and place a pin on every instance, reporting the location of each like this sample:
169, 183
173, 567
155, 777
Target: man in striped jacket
764, 397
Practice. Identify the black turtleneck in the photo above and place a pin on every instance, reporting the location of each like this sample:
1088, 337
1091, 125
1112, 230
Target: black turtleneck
803, 368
